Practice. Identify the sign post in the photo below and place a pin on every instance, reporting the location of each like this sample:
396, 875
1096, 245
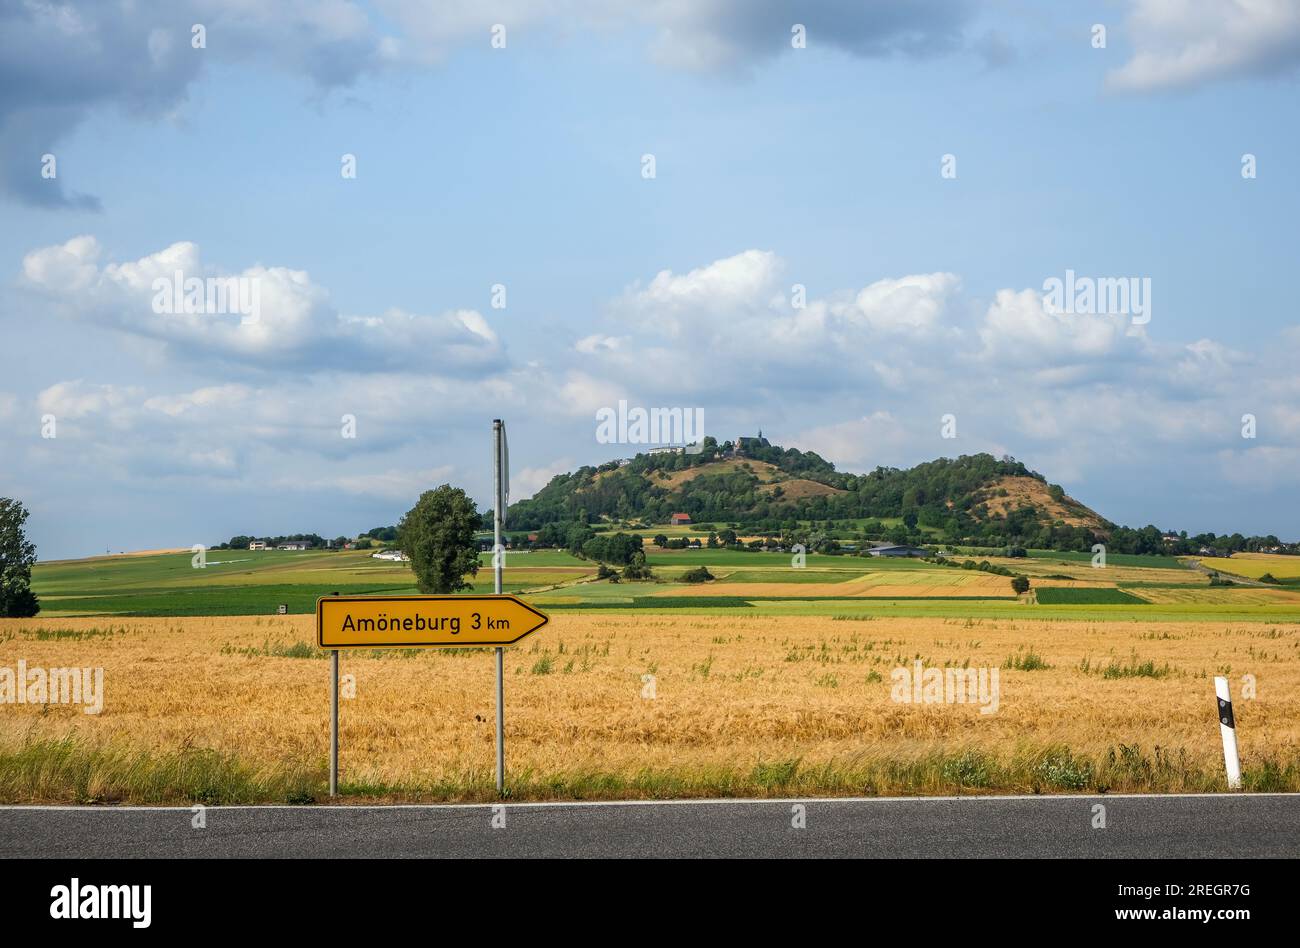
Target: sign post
501, 484
347, 622
434, 621
334, 722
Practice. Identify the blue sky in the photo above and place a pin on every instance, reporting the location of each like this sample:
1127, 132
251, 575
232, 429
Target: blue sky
522, 166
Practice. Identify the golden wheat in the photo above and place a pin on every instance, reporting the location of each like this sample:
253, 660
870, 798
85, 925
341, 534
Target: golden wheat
679, 695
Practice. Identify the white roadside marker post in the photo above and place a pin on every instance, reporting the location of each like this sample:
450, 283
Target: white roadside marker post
1228, 730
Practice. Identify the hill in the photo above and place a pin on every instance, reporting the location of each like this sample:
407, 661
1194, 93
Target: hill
1013, 492
972, 498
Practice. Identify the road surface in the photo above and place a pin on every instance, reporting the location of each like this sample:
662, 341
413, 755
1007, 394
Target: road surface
1191, 826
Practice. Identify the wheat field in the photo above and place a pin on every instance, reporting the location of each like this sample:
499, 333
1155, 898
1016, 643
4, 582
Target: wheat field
236, 709
1255, 565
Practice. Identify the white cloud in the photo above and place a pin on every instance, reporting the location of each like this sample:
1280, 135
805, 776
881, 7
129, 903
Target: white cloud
590, 345
912, 304
398, 485
1184, 43
582, 394
78, 399
861, 376
673, 304
291, 321
871, 441
529, 480
1019, 330
734, 322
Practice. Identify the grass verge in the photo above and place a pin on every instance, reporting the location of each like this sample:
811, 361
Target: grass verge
71, 771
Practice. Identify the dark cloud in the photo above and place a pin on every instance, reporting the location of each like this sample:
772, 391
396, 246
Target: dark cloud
719, 33
60, 61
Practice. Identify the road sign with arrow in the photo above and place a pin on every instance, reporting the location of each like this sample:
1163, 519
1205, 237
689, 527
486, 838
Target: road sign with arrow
423, 621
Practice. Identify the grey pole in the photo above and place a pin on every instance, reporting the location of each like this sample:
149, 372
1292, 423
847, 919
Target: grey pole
334, 722
496, 569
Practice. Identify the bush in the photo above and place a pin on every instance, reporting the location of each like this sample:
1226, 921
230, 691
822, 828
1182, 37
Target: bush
700, 574
618, 548
1061, 770
637, 568
1020, 584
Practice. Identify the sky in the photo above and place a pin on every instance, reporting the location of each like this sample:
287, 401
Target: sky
838, 222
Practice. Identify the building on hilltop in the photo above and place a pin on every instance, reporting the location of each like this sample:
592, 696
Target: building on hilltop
744, 446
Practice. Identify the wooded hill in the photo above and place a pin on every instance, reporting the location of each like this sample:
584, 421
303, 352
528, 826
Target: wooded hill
976, 499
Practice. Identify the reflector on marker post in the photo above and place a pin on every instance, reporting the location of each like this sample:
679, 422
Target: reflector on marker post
1228, 730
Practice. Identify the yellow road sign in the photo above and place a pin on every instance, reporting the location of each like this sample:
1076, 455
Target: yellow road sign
423, 621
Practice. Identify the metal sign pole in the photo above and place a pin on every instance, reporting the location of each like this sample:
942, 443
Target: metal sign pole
498, 433
334, 722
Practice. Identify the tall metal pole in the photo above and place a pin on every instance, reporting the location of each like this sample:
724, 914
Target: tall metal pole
334, 722
496, 569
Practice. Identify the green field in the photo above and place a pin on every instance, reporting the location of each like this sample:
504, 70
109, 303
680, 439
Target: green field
240, 582
788, 575
721, 557
1062, 596
1112, 559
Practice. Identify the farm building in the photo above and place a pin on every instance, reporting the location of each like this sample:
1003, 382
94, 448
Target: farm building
897, 550
679, 519
257, 545
294, 545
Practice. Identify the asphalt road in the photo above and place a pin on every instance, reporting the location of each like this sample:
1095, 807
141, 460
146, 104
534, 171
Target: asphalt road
1265, 825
